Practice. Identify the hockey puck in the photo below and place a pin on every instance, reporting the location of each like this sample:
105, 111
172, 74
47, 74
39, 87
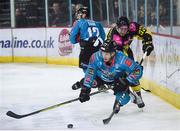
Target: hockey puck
70, 126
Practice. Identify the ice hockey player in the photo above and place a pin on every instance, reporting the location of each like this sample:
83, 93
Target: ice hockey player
111, 67
123, 34
91, 35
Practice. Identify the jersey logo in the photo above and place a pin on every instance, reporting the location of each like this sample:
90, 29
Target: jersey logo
128, 62
91, 71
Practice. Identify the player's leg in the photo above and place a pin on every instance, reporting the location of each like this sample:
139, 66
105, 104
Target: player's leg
122, 98
136, 88
84, 56
138, 99
116, 106
121, 91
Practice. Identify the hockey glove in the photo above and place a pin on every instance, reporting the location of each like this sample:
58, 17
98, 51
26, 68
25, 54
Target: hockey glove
92, 39
120, 85
84, 95
140, 65
147, 46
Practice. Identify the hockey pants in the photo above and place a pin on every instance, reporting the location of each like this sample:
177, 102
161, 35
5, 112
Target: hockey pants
123, 98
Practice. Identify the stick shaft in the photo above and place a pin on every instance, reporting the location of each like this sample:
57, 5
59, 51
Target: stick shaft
12, 114
107, 120
142, 59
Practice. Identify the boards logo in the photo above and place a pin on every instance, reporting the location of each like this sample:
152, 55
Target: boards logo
65, 47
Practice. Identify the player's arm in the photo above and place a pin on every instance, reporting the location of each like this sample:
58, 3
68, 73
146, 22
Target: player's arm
133, 74
74, 33
102, 32
144, 34
90, 73
88, 80
109, 34
134, 70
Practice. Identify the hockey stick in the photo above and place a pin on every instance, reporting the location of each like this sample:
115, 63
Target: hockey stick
147, 90
142, 59
14, 115
107, 120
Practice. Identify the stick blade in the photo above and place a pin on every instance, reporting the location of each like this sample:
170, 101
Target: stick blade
12, 114
146, 90
106, 121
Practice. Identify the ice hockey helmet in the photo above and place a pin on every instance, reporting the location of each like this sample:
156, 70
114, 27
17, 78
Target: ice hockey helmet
109, 46
122, 21
84, 10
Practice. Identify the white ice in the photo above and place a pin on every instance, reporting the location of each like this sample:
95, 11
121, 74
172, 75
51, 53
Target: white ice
25, 88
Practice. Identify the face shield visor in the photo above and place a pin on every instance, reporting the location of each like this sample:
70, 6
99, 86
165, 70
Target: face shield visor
122, 30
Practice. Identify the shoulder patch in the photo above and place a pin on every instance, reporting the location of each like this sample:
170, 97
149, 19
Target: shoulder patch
128, 62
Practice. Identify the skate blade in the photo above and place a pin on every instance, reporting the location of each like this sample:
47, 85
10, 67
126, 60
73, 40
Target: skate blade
141, 109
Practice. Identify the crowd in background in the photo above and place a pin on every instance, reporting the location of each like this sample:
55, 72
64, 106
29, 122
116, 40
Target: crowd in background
31, 13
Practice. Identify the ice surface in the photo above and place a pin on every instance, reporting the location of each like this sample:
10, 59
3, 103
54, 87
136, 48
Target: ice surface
25, 88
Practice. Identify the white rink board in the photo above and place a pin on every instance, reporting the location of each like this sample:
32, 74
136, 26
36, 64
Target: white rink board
164, 60
173, 65
33, 39
5, 42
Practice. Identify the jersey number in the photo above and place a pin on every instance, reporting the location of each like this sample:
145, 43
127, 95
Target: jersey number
93, 31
